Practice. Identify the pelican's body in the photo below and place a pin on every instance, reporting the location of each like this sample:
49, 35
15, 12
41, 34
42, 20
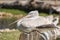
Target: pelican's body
33, 20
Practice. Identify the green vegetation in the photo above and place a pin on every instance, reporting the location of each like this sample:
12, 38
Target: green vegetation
9, 35
58, 38
4, 23
13, 11
43, 14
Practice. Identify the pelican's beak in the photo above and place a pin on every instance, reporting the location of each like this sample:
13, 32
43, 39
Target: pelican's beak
28, 16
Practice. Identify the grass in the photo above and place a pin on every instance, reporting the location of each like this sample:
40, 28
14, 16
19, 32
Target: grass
43, 14
13, 11
9, 35
58, 38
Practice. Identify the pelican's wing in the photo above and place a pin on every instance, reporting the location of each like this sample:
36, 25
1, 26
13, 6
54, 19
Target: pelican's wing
47, 26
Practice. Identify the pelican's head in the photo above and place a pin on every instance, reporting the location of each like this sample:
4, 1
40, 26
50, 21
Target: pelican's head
56, 20
33, 13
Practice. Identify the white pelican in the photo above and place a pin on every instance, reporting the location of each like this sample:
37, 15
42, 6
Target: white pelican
33, 20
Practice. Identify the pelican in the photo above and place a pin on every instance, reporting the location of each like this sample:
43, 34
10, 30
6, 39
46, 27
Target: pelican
33, 20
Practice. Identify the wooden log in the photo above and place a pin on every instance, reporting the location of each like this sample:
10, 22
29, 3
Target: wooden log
38, 35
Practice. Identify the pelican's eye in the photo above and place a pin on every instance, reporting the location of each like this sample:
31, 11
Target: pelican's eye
54, 20
30, 13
